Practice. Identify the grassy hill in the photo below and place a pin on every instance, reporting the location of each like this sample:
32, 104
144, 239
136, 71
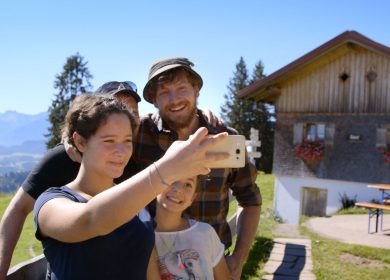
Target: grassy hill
28, 246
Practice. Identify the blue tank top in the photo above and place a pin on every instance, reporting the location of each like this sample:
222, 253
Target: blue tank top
121, 254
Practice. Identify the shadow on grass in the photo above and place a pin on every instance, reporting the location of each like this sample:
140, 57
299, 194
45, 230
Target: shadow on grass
258, 256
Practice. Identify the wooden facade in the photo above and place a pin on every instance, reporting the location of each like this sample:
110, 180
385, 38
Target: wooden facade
348, 74
355, 81
344, 86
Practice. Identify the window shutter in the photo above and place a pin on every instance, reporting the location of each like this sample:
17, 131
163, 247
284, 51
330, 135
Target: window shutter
298, 133
329, 133
381, 137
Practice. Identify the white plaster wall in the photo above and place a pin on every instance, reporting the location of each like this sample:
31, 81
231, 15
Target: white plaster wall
287, 195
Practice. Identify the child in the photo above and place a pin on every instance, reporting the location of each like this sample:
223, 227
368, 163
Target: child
186, 249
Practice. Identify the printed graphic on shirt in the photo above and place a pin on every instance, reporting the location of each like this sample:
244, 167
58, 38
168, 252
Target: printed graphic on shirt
181, 265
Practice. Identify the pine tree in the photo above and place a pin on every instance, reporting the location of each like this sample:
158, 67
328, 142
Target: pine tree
265, 123
74, 80
236, 111
243, 114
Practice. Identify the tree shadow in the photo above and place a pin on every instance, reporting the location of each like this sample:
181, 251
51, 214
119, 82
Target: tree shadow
293, 262
258, 255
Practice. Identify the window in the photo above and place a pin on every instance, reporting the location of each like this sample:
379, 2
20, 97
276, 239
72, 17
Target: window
314, 132
311, 131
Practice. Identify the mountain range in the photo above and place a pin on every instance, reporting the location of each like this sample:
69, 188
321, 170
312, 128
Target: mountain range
22, 140
16, 128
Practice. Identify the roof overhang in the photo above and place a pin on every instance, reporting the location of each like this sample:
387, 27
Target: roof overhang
268, 89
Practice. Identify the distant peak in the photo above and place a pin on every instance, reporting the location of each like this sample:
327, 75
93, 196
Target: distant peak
13, 113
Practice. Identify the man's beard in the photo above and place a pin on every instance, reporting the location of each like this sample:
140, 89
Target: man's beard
179, 123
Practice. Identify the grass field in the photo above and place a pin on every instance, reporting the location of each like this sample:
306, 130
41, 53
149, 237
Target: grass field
336, 260
331, 259
28, 246
262, 245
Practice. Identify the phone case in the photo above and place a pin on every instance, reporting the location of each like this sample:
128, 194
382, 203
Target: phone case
235, 146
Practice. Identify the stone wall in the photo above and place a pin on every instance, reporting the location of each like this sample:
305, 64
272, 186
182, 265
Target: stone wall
357, 161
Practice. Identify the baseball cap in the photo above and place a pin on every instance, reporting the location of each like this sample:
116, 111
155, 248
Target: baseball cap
163, 65
115, 87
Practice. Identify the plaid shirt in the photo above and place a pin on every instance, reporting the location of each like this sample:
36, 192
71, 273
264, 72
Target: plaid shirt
212, 202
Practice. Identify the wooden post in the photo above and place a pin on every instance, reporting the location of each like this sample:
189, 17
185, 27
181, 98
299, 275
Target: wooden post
252, 144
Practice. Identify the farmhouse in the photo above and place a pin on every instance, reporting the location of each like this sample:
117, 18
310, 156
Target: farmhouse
333, 125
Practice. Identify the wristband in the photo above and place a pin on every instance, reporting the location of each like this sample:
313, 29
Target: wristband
161, 178
150, 181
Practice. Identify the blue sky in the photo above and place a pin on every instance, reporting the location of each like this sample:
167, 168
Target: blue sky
120, 40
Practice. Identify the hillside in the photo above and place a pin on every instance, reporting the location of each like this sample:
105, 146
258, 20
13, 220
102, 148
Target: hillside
22, 144
22, 140
21, 157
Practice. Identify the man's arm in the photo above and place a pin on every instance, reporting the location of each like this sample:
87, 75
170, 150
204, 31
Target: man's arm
11, 226
249, 198
248, 221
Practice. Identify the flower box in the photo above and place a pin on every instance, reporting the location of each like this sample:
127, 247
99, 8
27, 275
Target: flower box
386, 154
310, 150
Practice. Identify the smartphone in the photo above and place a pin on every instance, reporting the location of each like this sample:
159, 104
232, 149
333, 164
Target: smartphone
235, 146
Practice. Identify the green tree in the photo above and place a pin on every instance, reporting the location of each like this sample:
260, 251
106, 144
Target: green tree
235, 111
264, 121
74, 80
243, 114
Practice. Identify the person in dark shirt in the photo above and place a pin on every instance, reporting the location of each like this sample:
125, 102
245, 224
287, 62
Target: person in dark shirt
89, 230
56, 168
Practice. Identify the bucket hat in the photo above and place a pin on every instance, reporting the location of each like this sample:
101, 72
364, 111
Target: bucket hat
164, 65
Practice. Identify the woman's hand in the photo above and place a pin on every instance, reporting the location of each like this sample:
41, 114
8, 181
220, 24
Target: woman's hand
185, 159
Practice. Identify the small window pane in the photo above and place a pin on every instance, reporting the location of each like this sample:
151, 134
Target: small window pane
315, 131
320, 131
311, 132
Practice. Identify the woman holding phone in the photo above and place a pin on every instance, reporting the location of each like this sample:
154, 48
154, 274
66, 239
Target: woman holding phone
92, 228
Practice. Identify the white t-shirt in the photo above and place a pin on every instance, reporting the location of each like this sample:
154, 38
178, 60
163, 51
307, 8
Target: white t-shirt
189, 254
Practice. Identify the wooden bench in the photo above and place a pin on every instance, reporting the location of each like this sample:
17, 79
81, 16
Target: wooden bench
32, 269
378, 212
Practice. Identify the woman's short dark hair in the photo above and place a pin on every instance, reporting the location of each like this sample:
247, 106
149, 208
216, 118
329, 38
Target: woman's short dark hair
89, 112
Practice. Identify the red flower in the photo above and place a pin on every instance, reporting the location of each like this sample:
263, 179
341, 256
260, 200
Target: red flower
310, 150
386, 153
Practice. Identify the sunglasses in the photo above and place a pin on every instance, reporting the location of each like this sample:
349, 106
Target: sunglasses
132, 86
115, 86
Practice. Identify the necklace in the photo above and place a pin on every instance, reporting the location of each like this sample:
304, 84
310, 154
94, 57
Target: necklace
171, 250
